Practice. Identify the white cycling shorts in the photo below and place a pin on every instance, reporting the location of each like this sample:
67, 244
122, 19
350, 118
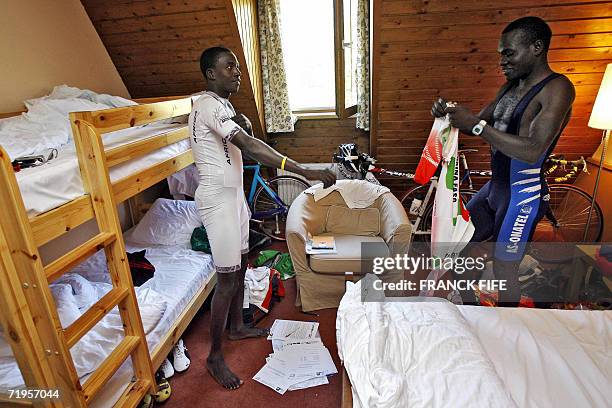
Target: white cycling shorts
225, 216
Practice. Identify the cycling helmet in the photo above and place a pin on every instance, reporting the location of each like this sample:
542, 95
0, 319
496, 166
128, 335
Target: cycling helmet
349, 156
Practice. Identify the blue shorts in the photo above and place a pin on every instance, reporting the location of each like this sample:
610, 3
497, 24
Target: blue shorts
508, 211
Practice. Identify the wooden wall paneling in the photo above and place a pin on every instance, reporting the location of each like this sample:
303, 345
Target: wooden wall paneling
426, 49
419, 6
248, 26
156, 45
375, 73
315, 141
248, 106
496, 12
120, 9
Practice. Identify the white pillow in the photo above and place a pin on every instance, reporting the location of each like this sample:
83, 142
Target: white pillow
168, 222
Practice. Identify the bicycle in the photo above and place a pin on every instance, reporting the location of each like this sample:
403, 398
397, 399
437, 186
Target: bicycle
269, 200
564, 221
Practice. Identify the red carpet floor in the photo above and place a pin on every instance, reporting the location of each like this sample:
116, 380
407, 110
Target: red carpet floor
196, 388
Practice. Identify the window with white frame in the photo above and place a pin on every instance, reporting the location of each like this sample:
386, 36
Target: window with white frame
320, 59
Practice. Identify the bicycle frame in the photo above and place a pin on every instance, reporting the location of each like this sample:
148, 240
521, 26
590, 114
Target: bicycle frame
259, 180
422, 207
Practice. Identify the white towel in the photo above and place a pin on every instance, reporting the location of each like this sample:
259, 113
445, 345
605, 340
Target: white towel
256, 286
356, 193
184, 182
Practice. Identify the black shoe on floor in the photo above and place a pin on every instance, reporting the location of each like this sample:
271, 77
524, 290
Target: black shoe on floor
258, 239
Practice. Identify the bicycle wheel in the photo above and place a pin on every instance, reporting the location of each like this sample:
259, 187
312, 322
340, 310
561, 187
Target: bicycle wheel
419, 193
412, 202
567, 217
266, 208
466, 196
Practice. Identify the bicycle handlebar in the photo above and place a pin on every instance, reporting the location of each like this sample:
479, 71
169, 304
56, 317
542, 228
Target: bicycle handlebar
574, 164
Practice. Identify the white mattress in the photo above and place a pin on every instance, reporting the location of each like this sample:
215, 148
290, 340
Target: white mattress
180, 273
543, 358
59, 181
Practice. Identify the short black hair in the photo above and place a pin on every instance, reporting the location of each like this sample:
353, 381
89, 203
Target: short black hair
209, 57
533, 28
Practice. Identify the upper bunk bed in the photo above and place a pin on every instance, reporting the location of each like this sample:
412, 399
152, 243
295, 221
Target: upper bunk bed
147, 147
142, 147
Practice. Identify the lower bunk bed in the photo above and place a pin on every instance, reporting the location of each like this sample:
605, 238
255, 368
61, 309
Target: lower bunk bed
182, 281
421, 352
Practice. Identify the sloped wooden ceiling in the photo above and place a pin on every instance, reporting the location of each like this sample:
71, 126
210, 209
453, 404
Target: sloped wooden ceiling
430, 48
156, 44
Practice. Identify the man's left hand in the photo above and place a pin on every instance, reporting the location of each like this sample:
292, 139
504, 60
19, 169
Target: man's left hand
462, 118
244, 123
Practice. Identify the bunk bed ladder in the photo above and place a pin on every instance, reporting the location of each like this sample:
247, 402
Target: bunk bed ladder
96, 181
27, 310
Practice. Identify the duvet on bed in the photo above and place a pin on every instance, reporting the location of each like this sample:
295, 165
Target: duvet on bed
414, 354
548, 358
73, 295
180, 273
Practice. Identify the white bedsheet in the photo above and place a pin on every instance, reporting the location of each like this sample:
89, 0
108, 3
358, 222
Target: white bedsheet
180, 273
356, 193
544, 358
184, 182
59, 181
46, 123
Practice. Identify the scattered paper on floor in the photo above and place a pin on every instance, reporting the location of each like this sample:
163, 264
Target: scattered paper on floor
299, 359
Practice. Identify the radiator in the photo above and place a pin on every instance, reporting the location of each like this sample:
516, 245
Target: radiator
313, 166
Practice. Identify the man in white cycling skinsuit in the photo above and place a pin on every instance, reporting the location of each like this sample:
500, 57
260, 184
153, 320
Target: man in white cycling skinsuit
218, 136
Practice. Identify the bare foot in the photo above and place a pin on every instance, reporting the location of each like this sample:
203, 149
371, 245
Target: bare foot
248, 332
222, 374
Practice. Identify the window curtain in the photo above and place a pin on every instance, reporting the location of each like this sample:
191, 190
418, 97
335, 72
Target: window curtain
363, 64
277, 110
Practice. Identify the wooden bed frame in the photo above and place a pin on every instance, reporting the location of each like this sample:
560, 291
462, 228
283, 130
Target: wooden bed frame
28, 314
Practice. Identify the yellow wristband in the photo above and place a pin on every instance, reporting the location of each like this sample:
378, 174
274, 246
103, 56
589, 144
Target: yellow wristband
283, 163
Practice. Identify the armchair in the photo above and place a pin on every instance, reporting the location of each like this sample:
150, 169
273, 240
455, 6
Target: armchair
320, 278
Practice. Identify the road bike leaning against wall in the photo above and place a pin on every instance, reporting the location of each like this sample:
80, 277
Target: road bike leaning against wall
564, 222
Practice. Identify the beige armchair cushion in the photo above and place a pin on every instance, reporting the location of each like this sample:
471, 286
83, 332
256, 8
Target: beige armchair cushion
348, 255
342, 220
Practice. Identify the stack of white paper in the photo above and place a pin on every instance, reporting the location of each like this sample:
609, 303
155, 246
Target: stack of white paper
300, 360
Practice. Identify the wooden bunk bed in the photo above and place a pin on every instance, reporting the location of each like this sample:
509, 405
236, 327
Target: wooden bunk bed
29, 316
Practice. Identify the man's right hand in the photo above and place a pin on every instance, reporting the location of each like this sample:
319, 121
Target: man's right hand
326, 176
438, 109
